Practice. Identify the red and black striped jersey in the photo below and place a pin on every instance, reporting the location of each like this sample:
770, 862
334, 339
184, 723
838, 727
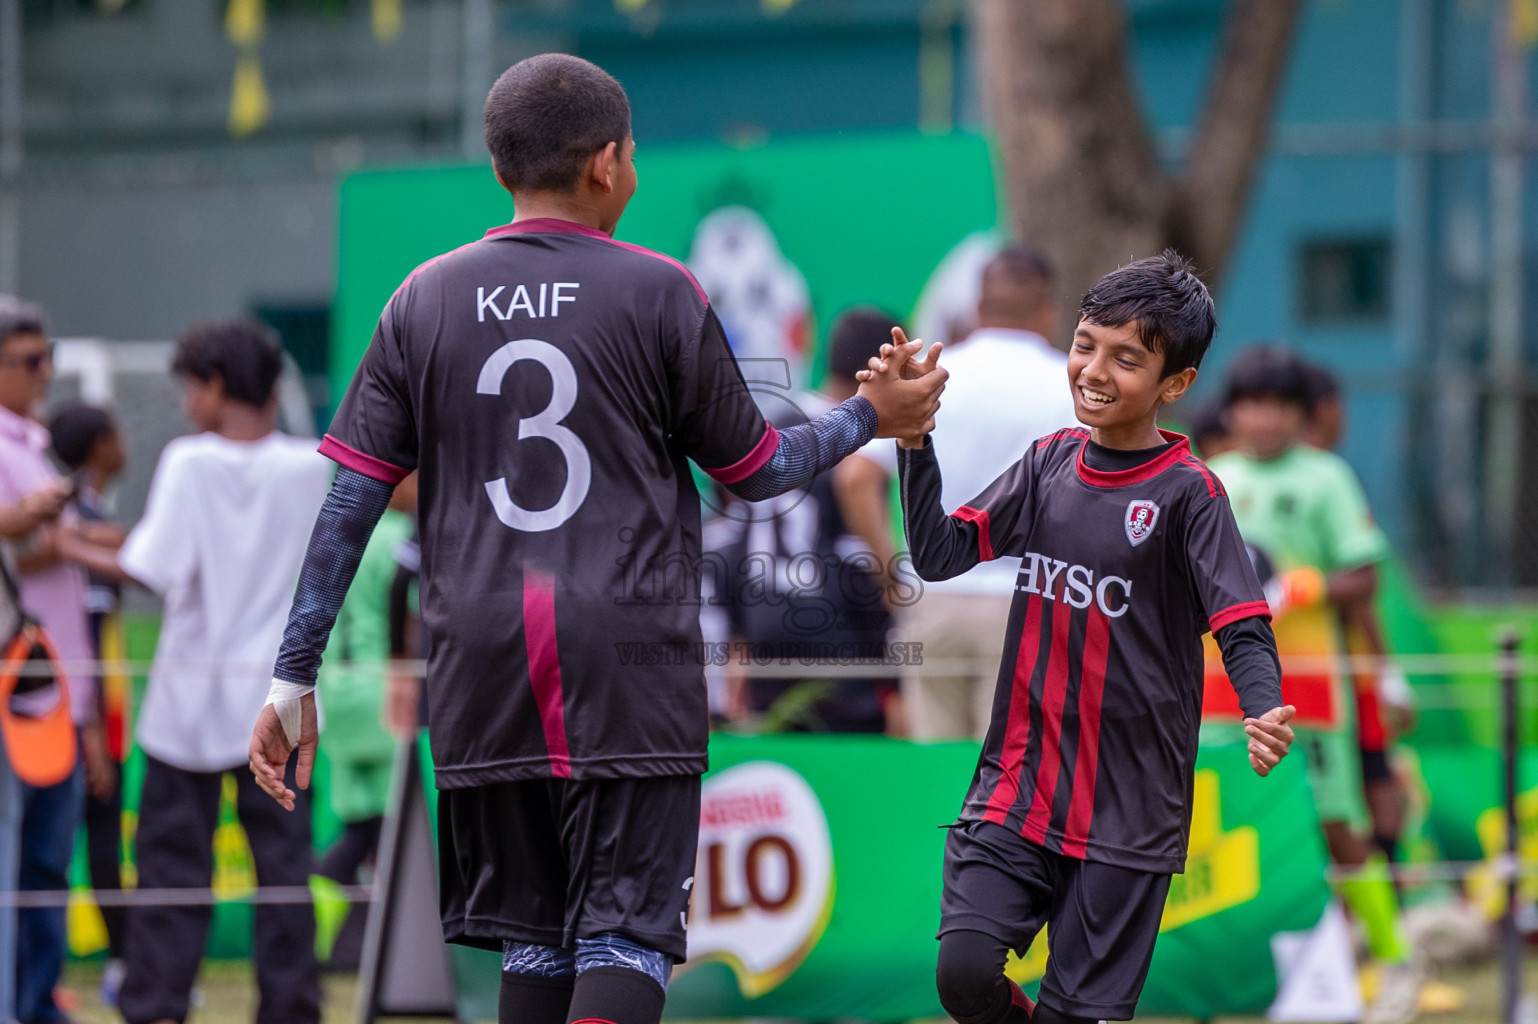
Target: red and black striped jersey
1091, 751
551, 385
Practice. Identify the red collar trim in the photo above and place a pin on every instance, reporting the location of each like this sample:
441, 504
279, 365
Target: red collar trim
546, 226
1138, 474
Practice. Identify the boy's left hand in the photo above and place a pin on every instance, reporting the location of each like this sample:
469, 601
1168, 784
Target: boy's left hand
1270, 737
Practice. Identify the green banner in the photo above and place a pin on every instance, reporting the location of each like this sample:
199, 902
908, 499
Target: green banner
817, 888
932, 191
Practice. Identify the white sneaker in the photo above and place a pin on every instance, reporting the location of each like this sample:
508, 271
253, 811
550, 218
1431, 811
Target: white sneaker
1398, 998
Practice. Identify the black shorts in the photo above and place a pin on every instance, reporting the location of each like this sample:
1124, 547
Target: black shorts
1102, 920
551, 861
1375, 766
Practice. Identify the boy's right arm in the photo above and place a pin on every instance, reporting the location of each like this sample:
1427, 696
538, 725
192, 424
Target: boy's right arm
719, 425
342, 529
943, 545
375, 445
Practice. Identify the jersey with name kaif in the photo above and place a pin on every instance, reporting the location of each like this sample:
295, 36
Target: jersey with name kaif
551, 384
1092, 747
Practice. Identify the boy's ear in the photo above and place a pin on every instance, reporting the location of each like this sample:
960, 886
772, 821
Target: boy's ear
603, 167
1176, 385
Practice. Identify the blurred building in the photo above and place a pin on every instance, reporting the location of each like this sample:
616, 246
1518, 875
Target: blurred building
1391, 234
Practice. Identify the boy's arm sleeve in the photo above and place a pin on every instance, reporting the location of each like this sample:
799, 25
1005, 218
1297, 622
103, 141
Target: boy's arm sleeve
1250, 659
374, 432
944, 546
342, 530
1220, 567
722, 429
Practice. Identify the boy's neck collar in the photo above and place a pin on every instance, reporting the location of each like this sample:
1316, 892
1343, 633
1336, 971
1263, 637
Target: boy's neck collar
547, 226
1178, 451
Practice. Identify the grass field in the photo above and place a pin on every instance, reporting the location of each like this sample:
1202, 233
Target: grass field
228, 998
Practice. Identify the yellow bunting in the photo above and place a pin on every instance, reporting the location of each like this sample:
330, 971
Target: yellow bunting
249, 105
1524, 23
244, 21
386, 20
86, 929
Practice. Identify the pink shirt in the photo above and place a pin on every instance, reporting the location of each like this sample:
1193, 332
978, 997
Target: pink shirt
54, 596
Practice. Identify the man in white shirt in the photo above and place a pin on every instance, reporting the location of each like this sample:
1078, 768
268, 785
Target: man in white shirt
222, 538
1008, 387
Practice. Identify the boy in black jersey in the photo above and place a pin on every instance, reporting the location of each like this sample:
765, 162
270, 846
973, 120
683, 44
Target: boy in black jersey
1081, 803
552, 385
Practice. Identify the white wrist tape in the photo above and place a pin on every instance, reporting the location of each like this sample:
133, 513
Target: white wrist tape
284, 698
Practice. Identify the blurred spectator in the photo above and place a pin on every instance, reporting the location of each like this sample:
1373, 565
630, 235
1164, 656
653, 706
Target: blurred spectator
87, 442
17, 521
222, 538
1305, 509
359, 749
405, 704
1326, 422
802, 588
1384, 702
862, 483
1008, 387
1209, 430
53, 591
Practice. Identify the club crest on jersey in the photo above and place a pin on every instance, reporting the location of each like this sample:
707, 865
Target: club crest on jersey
1142, 515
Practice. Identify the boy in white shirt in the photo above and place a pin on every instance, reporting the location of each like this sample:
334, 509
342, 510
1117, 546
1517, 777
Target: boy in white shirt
222, 539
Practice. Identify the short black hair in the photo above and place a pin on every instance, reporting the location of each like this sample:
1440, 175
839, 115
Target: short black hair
1173, 311
857, 335
240, 352
1321, 385
1268, 371
547, 115
75, 429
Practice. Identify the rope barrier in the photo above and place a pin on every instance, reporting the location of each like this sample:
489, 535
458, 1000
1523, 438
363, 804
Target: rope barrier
761, 664
1499, 869
262, 895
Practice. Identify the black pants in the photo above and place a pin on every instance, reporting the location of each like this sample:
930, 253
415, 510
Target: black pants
104, 842
178, 813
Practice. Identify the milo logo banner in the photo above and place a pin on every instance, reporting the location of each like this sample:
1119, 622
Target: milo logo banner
817, 888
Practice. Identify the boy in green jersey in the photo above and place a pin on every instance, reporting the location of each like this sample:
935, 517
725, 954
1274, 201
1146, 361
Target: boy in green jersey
1304, 509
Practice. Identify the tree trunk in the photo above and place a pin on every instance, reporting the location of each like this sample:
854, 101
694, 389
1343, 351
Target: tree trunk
1210, 199
1081, 176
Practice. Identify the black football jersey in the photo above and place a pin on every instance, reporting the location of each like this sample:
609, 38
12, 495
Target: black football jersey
551, 384
1091, 750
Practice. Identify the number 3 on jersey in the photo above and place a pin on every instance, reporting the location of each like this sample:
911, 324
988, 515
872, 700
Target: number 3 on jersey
547, 424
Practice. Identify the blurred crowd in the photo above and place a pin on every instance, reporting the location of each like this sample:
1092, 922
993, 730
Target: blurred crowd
821, 623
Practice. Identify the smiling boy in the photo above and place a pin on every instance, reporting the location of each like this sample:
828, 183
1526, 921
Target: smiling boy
1079, 810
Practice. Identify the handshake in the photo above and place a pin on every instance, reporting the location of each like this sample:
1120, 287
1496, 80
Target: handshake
904, 390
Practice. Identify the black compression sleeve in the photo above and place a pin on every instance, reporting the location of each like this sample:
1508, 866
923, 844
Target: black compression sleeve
942, 546
810, 448
342, 530
1249, 656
